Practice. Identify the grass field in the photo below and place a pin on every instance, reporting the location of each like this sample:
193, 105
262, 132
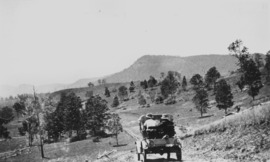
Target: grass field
77, 151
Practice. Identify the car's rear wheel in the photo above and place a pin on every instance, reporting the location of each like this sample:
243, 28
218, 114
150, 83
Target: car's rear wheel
168, 155
144, 157
179, 155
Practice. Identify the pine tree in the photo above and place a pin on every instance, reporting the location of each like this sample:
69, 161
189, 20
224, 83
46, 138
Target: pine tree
197, 81
169, 85
241, 83
107, 92
115, 102
71, 113
131, 87
252, 77
122, 92
19, 107
211, 76
115, 126
223, 95
96, 113
201, 100
152, 82
184, 83
141, 100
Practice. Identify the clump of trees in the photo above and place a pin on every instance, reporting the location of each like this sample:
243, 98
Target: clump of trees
251, 75
144, 84
69, 116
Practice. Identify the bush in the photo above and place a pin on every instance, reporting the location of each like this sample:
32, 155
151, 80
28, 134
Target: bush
158, 99
96, 139
141, 100
170, 100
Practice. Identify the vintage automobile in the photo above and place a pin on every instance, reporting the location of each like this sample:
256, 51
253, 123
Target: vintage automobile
159, 144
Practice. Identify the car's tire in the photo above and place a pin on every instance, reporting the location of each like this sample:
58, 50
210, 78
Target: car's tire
144, 157
168, 155
179, 155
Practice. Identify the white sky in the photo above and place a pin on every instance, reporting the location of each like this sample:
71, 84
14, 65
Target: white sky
60, 41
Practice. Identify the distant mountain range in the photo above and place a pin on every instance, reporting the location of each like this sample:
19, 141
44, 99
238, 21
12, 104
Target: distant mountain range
142, 68
187, 66
7, 90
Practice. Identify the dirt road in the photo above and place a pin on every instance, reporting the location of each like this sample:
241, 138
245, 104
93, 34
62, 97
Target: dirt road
131, 127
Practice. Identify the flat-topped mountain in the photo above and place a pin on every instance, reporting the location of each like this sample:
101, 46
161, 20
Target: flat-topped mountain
188, 66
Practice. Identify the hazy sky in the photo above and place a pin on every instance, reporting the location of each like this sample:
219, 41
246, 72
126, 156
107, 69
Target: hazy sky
60, 41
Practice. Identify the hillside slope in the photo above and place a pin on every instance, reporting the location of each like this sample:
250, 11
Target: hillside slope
154, 65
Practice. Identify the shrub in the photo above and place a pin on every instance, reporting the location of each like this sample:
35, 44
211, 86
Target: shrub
170, 100
141, 100
158, 99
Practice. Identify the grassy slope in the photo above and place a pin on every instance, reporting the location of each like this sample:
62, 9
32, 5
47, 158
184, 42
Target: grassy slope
183, 112
77, 151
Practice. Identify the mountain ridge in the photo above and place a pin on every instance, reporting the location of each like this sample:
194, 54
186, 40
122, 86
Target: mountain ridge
153, 65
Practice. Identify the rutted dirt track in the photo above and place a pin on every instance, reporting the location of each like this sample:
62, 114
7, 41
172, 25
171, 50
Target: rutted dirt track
132, 129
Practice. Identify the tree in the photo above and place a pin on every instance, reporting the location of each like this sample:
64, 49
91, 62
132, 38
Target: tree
201, 100
96, 113
89, 94
131, 87
240, 52
6, 116
152, 82
258, 60
19, 107
162, 75
211, 76
184, 83
90, 84
169, 85
267, 66
122, 92
107, 92
197, 81
141, 100
115, 126
30, 126
54, 125
115, 102
241, 83
224, 95
252, 76
72, 115
144, 84
99, 81
103, 81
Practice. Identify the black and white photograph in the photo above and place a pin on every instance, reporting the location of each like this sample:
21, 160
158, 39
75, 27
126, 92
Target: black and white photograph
134, 81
